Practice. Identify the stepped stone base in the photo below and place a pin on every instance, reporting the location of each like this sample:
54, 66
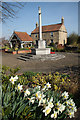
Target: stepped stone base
40, 51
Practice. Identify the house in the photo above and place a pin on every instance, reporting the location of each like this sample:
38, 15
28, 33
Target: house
55, 33
20, 39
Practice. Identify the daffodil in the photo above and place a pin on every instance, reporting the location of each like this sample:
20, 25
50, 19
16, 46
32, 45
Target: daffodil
16, 77
71, 114
73, 108
65, 95
54, 115
62, 79
70, 102
50, 103
13, 79
19, 87
67, 102
48, 85
58, 104
27, 92
42, 102
55, 87
31, 100
44, 88
47, 110
38, 95
62, 108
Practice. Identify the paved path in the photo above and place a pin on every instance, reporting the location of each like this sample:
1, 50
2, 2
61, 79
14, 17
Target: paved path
68, 60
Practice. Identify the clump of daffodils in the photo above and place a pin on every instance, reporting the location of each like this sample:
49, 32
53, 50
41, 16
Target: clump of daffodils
52, 104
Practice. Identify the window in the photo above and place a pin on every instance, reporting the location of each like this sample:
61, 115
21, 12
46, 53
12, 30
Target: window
43, 34
51, 41
35, 35
51, 34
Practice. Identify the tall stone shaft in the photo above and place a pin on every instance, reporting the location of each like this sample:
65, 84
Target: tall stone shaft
41, 50
40, 26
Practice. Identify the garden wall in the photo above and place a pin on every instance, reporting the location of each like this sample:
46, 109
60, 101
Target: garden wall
19, 51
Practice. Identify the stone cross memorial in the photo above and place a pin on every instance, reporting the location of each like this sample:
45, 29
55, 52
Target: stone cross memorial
41, 43
41, 50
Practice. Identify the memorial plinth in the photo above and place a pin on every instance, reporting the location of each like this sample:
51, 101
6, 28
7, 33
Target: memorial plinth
41, 50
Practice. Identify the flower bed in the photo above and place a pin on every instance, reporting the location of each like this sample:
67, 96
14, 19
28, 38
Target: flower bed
42, 102
13, 52
24, 51
18, 51
36, 96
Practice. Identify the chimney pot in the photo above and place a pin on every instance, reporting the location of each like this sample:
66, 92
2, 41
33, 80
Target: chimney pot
62, 20
36, 24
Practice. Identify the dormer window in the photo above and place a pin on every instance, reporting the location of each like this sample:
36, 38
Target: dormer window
35, 35
51, 34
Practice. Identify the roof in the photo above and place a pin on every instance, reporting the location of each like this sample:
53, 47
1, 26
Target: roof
48, 28
23, 36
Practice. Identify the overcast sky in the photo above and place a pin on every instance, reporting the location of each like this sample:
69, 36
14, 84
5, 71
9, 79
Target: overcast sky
51, 14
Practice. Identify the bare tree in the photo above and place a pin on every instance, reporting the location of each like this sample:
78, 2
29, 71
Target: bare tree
9, 10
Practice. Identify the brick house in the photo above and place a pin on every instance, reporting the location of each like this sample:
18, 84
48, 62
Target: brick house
55, 33
20, 39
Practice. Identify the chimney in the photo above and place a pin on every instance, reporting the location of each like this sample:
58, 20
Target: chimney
36, 24
62, 20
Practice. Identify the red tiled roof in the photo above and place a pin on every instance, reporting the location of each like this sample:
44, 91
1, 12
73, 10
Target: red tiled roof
48, 28
23, 36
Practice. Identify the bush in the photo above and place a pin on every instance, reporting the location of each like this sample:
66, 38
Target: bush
78, 51
72, 39
53, 49
24, 49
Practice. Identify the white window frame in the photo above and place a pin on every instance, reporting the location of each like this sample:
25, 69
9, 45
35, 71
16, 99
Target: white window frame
51, 34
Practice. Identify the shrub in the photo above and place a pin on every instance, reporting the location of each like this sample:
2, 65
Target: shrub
25, 48
72, 39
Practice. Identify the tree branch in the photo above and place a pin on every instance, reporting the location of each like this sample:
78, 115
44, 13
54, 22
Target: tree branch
9, 9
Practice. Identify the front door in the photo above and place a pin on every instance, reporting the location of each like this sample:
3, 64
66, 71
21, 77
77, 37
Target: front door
36, 43
64, 42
